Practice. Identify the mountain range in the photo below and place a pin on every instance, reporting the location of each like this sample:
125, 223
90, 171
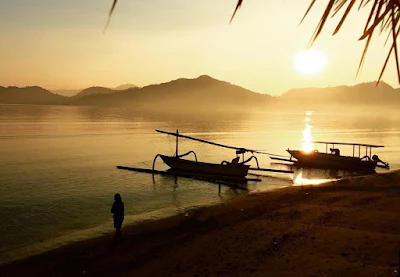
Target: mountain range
73, 92
207, 93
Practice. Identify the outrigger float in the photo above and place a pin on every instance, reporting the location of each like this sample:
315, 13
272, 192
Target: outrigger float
227, 172
333, 159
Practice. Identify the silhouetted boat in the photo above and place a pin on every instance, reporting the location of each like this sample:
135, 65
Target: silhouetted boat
195, 167
234, 169
336, 161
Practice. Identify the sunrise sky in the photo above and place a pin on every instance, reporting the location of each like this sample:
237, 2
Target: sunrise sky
60, 44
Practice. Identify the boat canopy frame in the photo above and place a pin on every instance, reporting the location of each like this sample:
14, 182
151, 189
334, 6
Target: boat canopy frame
367, 147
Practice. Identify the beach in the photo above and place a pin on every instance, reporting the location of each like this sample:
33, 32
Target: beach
348, 227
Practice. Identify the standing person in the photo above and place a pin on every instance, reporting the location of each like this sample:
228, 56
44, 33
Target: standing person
118, 211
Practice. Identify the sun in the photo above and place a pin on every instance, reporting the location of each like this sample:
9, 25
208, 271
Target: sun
309, 62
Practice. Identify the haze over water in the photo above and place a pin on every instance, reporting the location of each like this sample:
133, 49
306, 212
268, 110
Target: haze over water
58, 164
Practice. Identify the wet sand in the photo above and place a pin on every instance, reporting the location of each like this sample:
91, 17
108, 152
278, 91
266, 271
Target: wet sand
349, 227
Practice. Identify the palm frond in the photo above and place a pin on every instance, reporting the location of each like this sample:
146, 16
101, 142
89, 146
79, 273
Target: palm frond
110, 14
387, 58
395, 21
346, 13
378, 7
308, 10
383, 13
238, 5
338, 8
322, 21
371, 14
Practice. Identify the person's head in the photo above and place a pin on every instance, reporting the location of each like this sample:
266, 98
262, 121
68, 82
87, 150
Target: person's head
117, 197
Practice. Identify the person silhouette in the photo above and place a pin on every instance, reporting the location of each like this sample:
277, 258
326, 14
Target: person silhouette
335, 151
118, 210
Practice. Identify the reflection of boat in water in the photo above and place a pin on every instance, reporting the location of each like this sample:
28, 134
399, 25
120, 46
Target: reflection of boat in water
336, 161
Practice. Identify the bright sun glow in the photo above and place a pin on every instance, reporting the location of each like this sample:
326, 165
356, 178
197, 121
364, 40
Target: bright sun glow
309, 62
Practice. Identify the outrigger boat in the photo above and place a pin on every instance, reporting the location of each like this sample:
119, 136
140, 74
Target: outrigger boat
232, 173
238, 170
232, 170
334, 160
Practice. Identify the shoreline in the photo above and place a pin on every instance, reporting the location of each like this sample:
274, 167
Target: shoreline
105, 229
332, 228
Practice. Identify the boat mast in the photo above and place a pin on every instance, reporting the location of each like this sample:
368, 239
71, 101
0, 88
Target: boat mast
176, 148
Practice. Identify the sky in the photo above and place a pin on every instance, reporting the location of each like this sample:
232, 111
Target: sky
61, 44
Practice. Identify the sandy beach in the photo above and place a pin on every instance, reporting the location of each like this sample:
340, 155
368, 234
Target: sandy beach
349, 227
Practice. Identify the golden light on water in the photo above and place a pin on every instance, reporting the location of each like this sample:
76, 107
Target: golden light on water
307, 145
299, 180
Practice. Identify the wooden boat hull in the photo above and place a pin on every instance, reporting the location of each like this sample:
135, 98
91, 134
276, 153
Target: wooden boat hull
325, 160
207, 169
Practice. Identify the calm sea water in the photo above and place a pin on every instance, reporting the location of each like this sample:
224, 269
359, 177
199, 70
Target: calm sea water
58, 164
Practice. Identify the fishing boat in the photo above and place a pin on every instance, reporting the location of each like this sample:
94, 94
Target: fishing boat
234, 169
238, 170
334, 160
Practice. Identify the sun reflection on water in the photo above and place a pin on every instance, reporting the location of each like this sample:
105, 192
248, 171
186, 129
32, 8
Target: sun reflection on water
307, 144
299, 180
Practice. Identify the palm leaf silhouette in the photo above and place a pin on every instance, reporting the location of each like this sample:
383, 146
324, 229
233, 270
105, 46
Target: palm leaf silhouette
384, 16
383, 13
110, 14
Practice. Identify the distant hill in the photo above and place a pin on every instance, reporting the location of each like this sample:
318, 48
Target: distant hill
126, 86
208, 94
91, 90
29, 95
203, 92
66, 92
94, 91
361, 95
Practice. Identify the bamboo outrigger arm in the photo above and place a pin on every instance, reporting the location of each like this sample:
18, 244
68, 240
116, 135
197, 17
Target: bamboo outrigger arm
249, 159
154, 161
180, 156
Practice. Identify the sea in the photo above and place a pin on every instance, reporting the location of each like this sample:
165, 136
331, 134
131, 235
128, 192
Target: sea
58, 164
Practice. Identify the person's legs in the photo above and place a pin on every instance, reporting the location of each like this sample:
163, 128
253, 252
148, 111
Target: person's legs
117, 226
120, 226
